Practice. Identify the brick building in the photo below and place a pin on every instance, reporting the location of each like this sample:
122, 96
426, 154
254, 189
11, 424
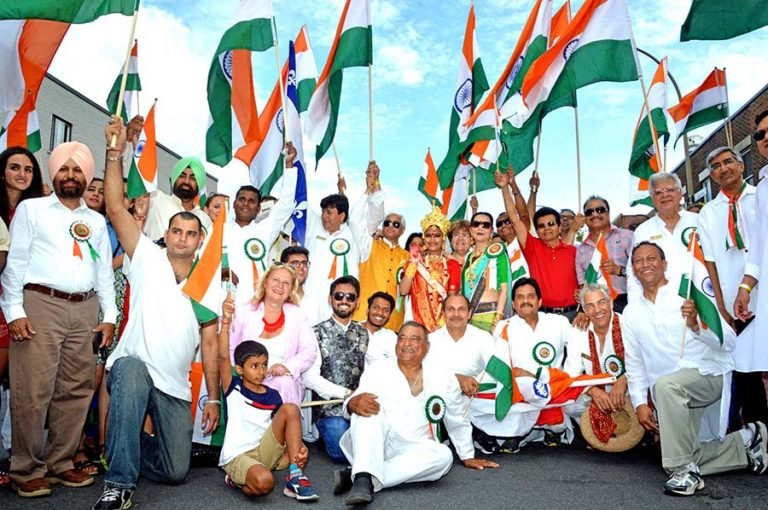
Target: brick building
742, 126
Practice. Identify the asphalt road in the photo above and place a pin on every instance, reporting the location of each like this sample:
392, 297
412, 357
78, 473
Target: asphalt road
536, 478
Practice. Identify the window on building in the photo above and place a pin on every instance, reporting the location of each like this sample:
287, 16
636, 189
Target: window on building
749, 171
61, 131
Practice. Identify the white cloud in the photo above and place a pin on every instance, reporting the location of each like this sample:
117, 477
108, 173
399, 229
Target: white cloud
399, 65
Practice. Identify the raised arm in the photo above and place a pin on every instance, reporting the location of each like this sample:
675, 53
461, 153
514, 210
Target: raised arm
535, 182
521, 230
223, 361
128, 231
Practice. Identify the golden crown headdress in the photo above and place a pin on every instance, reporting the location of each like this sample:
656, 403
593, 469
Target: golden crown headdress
436, 218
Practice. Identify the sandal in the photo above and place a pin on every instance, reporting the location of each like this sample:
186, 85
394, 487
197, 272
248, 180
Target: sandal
103, 458
5, 479
86, 466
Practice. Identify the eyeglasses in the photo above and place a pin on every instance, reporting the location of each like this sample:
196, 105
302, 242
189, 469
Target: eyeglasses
482, 224
659, 192
759, 135
595, 210
350, 297
298, 263
547, 224
394, 223
501, 223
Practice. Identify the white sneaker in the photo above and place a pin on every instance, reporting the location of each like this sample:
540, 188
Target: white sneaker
757, 451
685, 481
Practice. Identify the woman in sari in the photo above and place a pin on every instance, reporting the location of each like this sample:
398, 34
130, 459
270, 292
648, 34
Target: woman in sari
430, 278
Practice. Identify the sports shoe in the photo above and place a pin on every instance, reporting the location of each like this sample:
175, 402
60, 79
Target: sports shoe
113, 498
342, 481
685, 481
511, 445
552, 438
299, 487
484, 442
757, 451
34, 488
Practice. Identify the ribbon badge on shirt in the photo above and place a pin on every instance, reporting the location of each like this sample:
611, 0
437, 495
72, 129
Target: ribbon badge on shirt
256, 251
544, 353
339, 248
435, 410
81, 233
614, 365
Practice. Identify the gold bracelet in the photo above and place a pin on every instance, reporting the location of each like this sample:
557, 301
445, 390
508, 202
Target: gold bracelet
746, 287
116, 158
410, 271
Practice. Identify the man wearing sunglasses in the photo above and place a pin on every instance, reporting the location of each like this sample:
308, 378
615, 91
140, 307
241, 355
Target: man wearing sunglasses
342, 344
381, 258
617, 243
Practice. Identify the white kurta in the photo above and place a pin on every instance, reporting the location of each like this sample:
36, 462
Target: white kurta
678, 259
381, 347
652, 336
396, 446
757, 267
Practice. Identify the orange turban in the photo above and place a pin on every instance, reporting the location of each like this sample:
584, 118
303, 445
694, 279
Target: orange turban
75, 151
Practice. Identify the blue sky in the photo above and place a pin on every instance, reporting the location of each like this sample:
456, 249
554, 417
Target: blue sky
416, 57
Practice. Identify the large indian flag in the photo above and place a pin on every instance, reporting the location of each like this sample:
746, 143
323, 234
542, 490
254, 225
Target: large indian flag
594, 273
707, 103
719, 19
234, 119
203, 286
142, 176
27, 48
132, 88
352, 47
68, 11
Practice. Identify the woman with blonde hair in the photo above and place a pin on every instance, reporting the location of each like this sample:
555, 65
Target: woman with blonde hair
273, 318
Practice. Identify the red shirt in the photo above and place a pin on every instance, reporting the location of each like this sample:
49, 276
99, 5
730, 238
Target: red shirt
554, 269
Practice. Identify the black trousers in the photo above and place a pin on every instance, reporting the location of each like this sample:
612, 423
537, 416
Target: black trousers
749, 391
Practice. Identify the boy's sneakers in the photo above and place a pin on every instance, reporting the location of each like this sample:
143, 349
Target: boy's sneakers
685, 481
298, 487
113, 498
757, 455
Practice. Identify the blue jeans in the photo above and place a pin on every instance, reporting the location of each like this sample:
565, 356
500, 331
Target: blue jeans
163, 457
331, 429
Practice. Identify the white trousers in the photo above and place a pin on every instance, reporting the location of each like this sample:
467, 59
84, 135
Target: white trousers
372, 447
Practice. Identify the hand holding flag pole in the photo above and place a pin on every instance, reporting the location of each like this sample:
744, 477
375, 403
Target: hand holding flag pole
124, 80
692, 251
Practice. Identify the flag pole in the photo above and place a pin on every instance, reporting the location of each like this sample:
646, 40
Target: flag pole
578, 152
280, 81
370, 110
728, 130
538, 146
650, 120
124, 79
138, 92
692, 249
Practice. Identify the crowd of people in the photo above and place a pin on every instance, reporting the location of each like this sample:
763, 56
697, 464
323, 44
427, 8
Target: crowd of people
485, 339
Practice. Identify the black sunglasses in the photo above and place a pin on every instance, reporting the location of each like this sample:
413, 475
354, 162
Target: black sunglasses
501, 223
483, 224
550, 223
595, 210
759, 135
394, 223
350, 297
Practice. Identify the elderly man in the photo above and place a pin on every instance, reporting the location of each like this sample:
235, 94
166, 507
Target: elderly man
688, 380
335, 237
381, 260
618, 245
726, 227
666, 229
336, 372
381, 341
59, 263
395, 413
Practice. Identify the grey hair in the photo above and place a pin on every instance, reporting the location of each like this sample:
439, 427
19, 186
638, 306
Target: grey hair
401, 220
663, 176
593, 287
715, 153
414, 324
595, 197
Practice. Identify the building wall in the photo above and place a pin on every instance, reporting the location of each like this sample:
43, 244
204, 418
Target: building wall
742, 126
88, 119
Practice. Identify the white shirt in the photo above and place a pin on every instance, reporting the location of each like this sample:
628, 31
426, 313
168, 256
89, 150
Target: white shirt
162, 330
579, 359
313, 307
42, 252
381, 346
552, 332
161, 208
713, 231
468, 355
652, 333
676, 253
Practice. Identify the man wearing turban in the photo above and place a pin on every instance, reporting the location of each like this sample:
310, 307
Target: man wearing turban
58, 275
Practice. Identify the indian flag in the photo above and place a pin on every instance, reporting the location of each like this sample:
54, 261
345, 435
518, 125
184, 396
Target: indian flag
713, 20
594, 273
231, 102
559, 24
306, 69
142, 176
518, 267
644, 160
27, 48
352, 47
428, 183
203, 285
698, 287
132, 87
706, 104
499, 367
68, 11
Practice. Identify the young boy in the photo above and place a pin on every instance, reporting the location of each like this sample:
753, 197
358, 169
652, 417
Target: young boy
259, 426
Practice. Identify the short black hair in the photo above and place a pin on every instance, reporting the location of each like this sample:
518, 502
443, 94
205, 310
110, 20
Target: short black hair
647, 243
249, 349
411, 237
338, 202
526, 281
595, 197
382, 295
293, 250
188, 216
250, 188
345, 280
546, 211
760, 116
481, 213
459, 295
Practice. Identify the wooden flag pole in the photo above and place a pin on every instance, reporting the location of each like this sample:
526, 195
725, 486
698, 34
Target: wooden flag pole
124, 79
650, 121
138, 92
578, 153
280, 81
370, 110
728, 130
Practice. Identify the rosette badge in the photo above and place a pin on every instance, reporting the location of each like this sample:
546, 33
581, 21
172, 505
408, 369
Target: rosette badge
81, 233
255, 249
614, 365
544, 353
339, 248
435, 410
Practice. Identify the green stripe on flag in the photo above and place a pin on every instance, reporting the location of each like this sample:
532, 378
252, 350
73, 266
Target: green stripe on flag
132, 83
639, 164
304, 93
68, 11
713, 20
708, 312
135, 186
704, 117
500, 371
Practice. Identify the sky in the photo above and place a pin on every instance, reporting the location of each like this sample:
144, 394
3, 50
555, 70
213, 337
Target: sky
416, 59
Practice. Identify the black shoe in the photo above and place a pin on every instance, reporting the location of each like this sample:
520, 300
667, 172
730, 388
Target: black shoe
511, 445
361, 492
342, 481
113, 498
552, 438
485, 443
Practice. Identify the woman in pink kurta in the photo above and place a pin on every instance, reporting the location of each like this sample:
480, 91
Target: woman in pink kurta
274, 319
